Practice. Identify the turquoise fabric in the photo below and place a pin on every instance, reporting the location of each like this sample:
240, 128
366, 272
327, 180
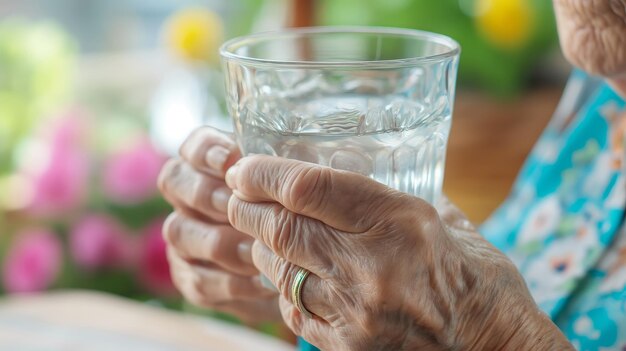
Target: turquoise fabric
305, 346
562, 224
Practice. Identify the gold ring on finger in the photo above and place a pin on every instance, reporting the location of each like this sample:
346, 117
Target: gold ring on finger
296, 291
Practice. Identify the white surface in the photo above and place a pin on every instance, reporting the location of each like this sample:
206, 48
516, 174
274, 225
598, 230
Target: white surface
76, 321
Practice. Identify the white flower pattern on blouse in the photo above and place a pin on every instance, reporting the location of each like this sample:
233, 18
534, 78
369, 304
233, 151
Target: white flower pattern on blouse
563, 224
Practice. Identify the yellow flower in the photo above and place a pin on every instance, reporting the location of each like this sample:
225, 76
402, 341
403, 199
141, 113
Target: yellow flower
195, 34
506, 23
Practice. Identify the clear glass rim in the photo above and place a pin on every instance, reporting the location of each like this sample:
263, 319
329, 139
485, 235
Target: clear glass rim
227, 50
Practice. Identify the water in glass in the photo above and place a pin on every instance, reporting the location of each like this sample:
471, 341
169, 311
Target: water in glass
391, 139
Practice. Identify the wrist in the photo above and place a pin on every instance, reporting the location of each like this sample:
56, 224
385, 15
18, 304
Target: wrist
530, 330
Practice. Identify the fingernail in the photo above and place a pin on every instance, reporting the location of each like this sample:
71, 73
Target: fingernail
231, 174
220, 198
244, 250
216, 157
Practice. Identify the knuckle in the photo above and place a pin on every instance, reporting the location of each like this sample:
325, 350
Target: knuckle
199, 132
199, 197
181, 281
291, 317
293, 322
429, 219
252, 169
282, 227
216, 245
285, 273
171, 257
171, 168
190, 145
198, 300
308, 188
235, 212
197, 286
171, 229
177, 279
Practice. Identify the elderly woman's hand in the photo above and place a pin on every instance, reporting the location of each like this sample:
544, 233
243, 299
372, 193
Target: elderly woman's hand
387, 273
211, 262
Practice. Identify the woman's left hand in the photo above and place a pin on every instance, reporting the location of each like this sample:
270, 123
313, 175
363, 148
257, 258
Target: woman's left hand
387, 271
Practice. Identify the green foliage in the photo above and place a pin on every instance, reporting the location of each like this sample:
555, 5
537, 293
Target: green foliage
246, 14
501, 71
136, 217
36, 60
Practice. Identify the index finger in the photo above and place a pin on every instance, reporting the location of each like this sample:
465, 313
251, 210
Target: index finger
344, 200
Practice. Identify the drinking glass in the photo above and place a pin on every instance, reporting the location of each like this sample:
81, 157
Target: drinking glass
376, 101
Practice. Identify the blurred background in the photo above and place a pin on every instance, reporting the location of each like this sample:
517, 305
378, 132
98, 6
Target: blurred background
94, 96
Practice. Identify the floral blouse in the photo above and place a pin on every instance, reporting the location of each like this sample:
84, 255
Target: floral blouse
563, 225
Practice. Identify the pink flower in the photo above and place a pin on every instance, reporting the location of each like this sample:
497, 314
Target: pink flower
99, 241
130, 176
153, 267
68, 131
60, 184
33, 262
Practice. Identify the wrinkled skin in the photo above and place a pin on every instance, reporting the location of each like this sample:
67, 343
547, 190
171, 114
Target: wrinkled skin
593, 37
210, 261
389, 272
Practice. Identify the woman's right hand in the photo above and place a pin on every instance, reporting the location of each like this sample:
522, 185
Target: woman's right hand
218, 273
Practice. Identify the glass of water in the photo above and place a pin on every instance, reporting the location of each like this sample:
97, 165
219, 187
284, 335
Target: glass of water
376, 101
